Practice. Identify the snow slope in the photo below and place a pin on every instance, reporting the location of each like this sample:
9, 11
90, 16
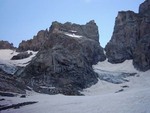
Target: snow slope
128, 102
126, 66
100, 98
7, 54
9, 65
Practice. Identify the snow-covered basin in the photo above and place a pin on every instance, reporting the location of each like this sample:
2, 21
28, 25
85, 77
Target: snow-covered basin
100, 98
126, 66
103, 87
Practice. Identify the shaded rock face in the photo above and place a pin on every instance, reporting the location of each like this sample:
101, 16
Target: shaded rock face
35, 43
8, 83
6, 45
144, 7
64, 63
124, 39
142, 54
131, 37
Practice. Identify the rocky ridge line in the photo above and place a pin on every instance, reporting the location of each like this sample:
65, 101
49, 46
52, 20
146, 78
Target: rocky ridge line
6, 45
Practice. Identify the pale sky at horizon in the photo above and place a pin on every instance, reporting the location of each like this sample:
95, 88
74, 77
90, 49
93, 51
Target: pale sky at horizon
22, 19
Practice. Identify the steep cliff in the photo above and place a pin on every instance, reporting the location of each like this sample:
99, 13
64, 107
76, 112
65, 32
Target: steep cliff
131, 37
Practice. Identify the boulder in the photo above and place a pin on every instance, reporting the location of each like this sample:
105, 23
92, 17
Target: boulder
21, 55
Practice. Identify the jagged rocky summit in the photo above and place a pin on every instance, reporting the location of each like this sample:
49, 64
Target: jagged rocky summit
6, 45
131, 38
64, 62
34, 44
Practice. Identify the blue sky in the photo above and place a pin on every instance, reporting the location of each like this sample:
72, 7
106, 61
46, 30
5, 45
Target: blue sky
22, 19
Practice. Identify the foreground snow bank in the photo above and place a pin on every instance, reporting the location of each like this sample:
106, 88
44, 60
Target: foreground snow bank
103, 97
135, 101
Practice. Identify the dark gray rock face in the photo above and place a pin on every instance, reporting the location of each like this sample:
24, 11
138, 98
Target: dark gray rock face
35, 43
90, 30
144, 7
6, 45
64, 63
124, 39
142, 54
8, 83
131, 37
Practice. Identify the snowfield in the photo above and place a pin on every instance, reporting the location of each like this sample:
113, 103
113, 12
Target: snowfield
9, 65
104, 97
7, 54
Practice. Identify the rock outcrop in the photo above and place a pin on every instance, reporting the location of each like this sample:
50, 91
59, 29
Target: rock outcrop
131, 38
21, 55
64, 63
141, 54
8, 83
144, 7
34, 44
6, 45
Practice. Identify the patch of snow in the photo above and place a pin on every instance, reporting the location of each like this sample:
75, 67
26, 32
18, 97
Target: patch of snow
126, 66
73, 35
7, 54
25, 61
47, 87
73, 31
10, 66
140, 80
